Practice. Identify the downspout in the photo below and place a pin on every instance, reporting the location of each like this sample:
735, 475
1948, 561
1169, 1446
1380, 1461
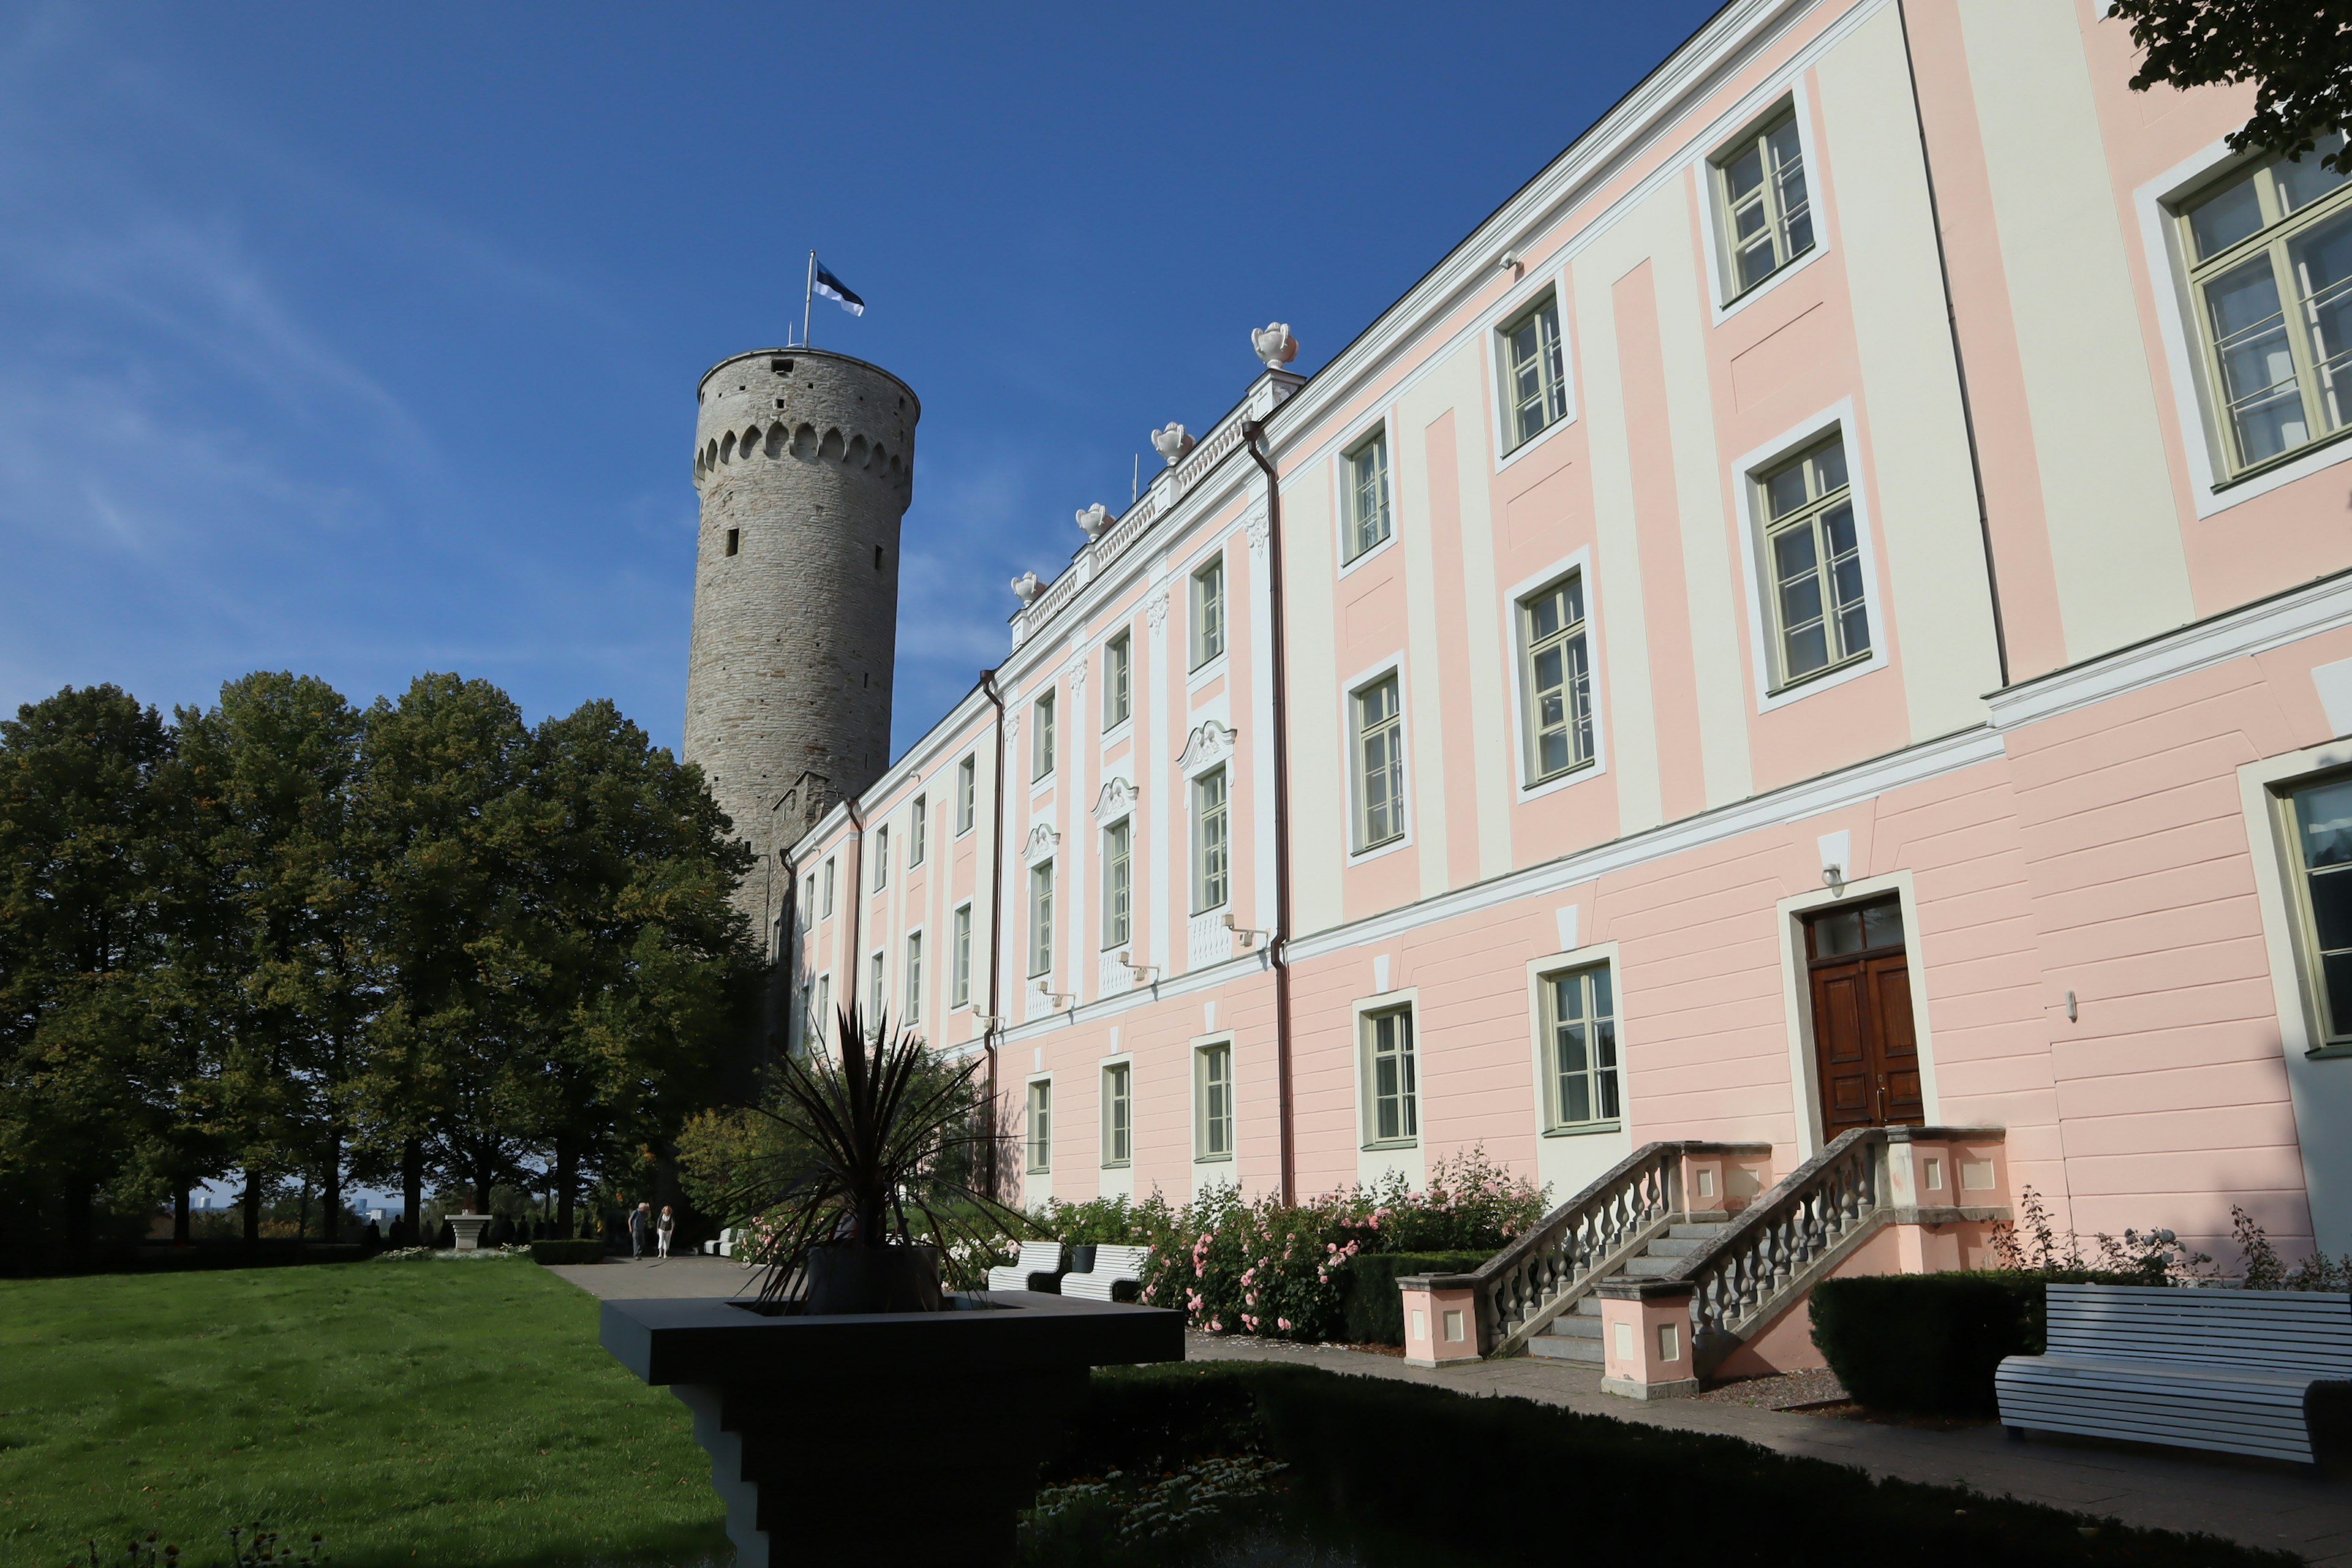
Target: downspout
995, 913
857, 912
1277, 948
1959, 364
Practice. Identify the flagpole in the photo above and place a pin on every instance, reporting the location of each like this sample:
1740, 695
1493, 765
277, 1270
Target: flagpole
807, 300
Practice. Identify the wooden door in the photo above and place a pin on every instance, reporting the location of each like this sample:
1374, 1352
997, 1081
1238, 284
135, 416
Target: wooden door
1864, 1049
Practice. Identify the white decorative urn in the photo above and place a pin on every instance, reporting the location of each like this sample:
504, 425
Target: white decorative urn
1095, 520
1027, 588
1171, 443
1274, 344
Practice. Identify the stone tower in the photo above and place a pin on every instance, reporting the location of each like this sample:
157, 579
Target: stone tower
805, 461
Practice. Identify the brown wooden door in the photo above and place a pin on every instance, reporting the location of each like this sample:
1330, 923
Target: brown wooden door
1865, 1048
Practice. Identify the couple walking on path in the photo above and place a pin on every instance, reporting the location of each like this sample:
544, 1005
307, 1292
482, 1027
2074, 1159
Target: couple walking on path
644, 1227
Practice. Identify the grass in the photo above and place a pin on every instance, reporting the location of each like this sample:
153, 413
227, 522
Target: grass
413, 1413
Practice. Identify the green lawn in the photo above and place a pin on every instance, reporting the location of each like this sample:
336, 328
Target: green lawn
435, 1412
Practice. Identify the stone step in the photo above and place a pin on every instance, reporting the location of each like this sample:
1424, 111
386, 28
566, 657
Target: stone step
1651, 1268
1574, 1326
1674, 1246
1701, 1230
1587, 1306
1559, 1347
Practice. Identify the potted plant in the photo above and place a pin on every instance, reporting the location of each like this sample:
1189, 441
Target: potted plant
880, 1165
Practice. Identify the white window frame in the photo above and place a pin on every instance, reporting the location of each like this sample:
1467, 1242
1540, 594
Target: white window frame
1523, 687
1765, 103
919, 830
1367, 1015
1579, 566
1041, 919
1555, 1121
1195, 618
967, 799
1043, 737
2202, 441
1761, 621
1204, 1052
1506, 392
960, 973
1037, 1133
877, 988
827, 913
1118, 678
881, 856
1551, 279
822, 1010
1375, 435
1391, 668
1117, 1115
1118, 902
1201, 903
911, 990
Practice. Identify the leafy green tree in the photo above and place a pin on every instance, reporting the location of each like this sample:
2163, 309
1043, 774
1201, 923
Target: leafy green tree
88, 1078
2299, 57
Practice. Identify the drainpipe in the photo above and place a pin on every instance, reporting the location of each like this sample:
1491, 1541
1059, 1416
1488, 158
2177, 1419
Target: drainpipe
856, 909
996, 914
1277, 947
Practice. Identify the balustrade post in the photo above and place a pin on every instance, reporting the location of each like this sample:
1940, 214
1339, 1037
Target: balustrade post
1645, 1339
1443, 1323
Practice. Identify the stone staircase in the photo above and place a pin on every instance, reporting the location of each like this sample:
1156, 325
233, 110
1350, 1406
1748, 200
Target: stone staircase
1575, 1334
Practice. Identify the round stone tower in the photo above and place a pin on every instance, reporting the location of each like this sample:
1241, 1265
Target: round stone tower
806, 461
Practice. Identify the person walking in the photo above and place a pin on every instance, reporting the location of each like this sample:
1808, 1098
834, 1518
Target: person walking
662, 1231
641, 1221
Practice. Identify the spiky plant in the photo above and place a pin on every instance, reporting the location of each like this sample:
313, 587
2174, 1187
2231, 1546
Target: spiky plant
882, 1141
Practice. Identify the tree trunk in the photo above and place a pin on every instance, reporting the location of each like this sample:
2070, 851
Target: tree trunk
180, 1214
412, 1191
567, 1182
335, 1185
251, 1203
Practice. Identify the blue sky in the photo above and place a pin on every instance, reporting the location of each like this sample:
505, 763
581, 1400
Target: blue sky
362, 340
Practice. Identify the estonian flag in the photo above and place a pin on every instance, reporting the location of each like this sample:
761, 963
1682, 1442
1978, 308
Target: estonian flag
832, 288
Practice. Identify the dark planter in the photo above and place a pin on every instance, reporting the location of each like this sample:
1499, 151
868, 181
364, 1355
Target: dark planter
872, 1279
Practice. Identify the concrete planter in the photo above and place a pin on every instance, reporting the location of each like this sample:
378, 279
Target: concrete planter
873, 1279
469, 1229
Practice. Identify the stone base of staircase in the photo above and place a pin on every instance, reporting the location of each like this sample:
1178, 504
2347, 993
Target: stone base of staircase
1575, 1334
1681, 1389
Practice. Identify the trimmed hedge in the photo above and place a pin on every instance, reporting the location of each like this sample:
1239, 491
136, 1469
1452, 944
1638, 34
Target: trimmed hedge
1476, 1462
566, 1251
1931, 1343
1370, 1308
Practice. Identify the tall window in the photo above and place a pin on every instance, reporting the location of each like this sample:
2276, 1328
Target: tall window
1041, 918
1379, 764
876, 1000
1209, 612
2269, 264
918, 831
828, 885
1535, 384
820, 1011
1583, 1023
1813, 554
808, 897
912, 1013
1557, 676
1209, 877
1368, 495
967, 771
1041, 737
2320, 817
960, 978
1119, 680
1768, 220
1117, 1115
1213, 1102
1040, 1127
1116, 884
881, 856
1392, 1092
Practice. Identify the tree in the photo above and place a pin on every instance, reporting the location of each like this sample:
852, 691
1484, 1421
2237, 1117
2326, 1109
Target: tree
2298, 56
87, 1077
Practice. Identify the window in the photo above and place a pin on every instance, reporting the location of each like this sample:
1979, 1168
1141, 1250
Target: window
1116, 883
828, 885
808, 897
875, 998
1379, 764
1209, 880
1208, 611
912, 1013
1213, 1102
2270, 266
1117, 1116
1119, 680
1368, 495
966, 771
881, 856
918, 831
1582, 1015
1535, 386
1812, 555
804, 1019
1040, 1127
734, 539
1040, 738
1041, 918
1392, 1097
821, 1018
2322, 822
959, 990
1557, 676
1768, 220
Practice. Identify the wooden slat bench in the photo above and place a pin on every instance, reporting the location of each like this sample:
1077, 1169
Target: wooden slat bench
2226, 1370
1039, 1268
1114, 1267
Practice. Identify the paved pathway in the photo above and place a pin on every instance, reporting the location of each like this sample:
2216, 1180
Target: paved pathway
2261, 1504
2258, 1503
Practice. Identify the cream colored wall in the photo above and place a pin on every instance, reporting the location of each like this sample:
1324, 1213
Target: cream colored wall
2115, 538
1318, 824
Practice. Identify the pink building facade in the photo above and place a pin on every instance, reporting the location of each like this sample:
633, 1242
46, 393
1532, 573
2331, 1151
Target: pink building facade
1830, 608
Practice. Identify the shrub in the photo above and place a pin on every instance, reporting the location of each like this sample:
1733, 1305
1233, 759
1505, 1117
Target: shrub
1471, 1203
1931, 1343
566, 1251
1371, 1310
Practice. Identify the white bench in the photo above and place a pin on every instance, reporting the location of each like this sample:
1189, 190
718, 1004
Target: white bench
1039, 1260
1113, 1266
2226, 1370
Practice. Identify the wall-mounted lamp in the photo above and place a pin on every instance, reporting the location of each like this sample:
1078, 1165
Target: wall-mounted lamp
1834, 878
990, 1020
2072, 1014
1507, 262
1145, 973
1057, 1001
1247, 937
